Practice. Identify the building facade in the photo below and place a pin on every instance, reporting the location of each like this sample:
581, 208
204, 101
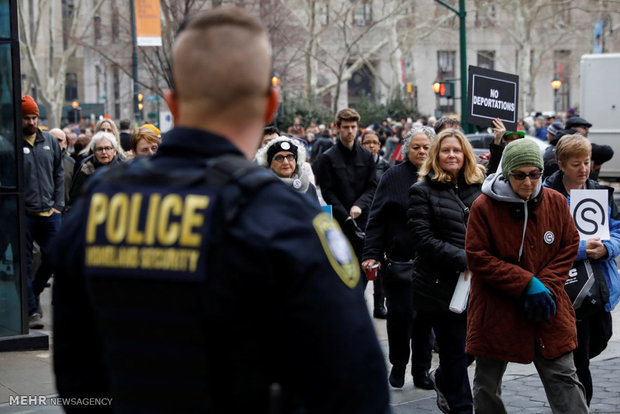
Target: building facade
342, 51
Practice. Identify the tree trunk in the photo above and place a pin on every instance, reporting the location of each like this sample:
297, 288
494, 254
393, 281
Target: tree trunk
310, 46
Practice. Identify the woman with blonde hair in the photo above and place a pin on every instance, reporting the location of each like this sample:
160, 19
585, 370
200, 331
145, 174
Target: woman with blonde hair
449, 182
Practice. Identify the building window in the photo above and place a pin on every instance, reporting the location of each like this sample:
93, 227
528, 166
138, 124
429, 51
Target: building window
445, 71
115, 21
67, 18
485, 14
71, 87
97, 29
561, 12
362, 14
324, 13
561, 70
361, 85
98, 81
486, 59
445, 63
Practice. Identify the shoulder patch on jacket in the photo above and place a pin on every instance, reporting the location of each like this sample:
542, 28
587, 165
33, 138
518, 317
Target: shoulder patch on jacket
338, 250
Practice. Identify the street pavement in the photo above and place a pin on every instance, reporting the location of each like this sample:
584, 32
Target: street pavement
29, 373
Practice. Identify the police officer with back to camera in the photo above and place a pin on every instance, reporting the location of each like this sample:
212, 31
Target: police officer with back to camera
196, 282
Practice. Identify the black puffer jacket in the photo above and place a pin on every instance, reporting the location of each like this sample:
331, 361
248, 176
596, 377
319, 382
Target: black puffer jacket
438, 224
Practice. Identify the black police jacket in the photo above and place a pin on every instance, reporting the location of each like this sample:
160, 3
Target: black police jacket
166, 302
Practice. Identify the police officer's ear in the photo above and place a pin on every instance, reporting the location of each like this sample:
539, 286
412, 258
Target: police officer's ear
173, 104
273, 102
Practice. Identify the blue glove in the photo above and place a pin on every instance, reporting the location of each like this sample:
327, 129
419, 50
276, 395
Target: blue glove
539, 303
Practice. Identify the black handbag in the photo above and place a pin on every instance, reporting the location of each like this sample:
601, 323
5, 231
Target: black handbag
587, 288
399, 271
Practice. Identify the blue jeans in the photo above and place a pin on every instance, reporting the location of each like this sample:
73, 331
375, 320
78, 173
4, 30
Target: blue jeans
41, 230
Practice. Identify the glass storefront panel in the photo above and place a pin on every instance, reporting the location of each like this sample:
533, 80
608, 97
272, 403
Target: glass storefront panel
8, 162
5, 19
10, 286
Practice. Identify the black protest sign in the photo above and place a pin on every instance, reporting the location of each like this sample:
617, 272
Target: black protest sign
491, 95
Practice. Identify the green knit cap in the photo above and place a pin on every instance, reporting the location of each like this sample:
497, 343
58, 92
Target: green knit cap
520, 153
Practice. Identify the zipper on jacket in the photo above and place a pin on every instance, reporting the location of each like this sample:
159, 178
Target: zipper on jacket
38, 173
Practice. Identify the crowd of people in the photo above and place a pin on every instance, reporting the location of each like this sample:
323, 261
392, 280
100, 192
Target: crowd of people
212, 275
57, 164
404, 204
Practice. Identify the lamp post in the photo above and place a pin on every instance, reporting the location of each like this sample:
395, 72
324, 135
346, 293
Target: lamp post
461, 13
75, 105
555, 84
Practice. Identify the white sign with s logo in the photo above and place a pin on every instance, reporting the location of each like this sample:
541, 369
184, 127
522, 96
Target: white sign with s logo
589, 209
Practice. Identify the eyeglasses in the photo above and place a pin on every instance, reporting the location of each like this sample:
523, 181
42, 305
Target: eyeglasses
520, 176
104, 149
280, 158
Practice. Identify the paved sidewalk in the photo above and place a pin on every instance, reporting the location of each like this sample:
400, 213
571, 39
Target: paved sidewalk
522, 389
30, 374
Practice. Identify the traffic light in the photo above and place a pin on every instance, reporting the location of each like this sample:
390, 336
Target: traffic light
410, 87
140, 102
444, 89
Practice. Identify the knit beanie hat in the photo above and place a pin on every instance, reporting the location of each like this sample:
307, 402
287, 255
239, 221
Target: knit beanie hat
520, 153
284, 145
153, 128
29, 106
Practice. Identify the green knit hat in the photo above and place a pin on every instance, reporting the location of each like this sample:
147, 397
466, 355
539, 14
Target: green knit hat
520, 153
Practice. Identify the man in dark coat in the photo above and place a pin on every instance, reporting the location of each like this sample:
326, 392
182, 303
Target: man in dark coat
44, 199
125, 134
347, 179
67, 162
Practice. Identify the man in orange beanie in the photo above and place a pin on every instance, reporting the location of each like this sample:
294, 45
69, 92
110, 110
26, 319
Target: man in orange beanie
44, 198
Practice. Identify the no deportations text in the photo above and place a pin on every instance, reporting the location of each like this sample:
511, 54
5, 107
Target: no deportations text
493, 103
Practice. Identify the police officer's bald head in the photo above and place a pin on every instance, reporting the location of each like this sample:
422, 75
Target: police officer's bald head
222, 64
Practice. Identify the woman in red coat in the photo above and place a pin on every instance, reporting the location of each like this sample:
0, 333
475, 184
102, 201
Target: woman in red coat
521, 242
